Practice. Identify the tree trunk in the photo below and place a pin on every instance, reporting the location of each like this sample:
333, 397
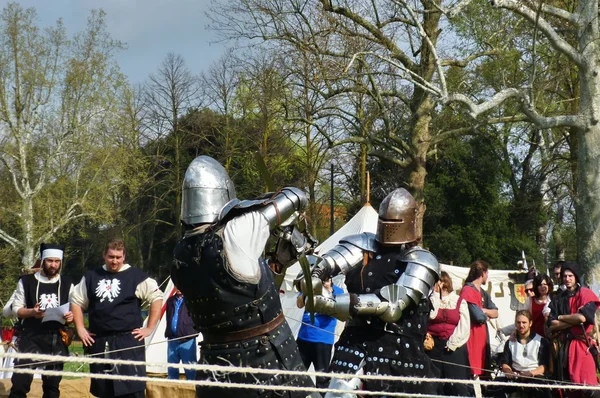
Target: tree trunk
418, 172
588, 183
422, 108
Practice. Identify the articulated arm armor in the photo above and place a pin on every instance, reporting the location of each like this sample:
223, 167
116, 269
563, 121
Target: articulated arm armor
284, 213
345, 255
422, 272
285, 207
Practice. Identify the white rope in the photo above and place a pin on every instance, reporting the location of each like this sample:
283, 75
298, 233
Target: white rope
235, 369
127, 348
209, 383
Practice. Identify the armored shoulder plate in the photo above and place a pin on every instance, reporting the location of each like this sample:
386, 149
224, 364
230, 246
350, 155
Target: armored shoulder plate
276, 207
365, 241
421, 273
425, 258
236, 207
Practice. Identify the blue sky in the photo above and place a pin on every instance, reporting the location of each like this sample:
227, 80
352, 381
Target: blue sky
150, 29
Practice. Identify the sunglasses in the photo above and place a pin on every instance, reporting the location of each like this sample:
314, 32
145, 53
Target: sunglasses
528, 290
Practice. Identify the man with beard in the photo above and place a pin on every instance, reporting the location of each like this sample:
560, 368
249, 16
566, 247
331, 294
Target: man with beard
34, 295
572, 318
526, 356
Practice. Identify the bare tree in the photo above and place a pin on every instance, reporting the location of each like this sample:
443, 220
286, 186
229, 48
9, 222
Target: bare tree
170, 93
385, 51
220, 85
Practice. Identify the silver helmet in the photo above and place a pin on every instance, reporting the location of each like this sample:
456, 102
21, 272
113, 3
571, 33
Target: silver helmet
206, 189
397, 218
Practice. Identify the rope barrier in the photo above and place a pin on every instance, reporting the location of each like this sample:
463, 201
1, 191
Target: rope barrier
126, 348
218, 384
235, 369
564, 384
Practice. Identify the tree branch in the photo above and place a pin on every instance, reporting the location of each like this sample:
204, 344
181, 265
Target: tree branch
540, 121
377, 34
5, 236
547, 30
462, 63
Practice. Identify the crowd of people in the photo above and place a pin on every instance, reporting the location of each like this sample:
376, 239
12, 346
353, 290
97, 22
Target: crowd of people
402, 314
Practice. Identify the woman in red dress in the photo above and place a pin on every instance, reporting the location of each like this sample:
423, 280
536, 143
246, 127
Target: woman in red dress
542, 286
481, 308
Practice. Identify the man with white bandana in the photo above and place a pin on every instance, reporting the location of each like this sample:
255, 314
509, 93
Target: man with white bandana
35, 294
113, 296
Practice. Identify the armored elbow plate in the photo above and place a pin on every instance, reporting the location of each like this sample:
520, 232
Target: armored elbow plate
349, 252
398, 299
283, 205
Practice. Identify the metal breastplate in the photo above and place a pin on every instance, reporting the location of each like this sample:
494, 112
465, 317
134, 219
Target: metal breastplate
385, 269
217, 302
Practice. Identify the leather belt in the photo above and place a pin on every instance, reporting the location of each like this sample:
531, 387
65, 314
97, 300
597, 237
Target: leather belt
242, 334
377, 324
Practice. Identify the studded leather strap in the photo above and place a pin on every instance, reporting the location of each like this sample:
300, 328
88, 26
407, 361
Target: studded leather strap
243, 334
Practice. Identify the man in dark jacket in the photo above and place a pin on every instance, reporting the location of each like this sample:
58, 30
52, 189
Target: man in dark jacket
182, 336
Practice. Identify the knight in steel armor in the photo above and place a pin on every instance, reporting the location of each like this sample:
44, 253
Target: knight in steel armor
389, 279
230, 289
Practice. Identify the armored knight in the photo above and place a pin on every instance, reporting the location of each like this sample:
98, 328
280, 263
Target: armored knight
229, 288
389, 279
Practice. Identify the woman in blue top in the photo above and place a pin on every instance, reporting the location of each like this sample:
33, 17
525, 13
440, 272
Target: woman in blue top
315, 341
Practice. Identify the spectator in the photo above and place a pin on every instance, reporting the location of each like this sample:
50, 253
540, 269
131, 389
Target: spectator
315, 340
526, 355
529, 292
182, 336
35, 294
449, 326
571, 321
557, 277
537, 305
481, 308
113, 295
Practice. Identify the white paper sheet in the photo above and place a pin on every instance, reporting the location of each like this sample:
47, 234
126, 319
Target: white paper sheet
56, 314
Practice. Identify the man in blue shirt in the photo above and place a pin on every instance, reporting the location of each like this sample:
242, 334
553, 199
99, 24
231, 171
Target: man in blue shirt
182, 336
315, 341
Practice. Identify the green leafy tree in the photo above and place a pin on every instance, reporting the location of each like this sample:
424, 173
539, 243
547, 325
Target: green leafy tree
59, 140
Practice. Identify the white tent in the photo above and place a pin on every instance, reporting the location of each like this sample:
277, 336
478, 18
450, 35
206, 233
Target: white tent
156, 343
363, 221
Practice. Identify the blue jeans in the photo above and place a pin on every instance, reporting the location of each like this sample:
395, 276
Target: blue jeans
181, 351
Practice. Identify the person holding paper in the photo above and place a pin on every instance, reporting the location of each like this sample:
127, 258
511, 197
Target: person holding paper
36, 293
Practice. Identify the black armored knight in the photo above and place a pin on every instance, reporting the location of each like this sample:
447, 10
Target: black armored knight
386, 309
230, 289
